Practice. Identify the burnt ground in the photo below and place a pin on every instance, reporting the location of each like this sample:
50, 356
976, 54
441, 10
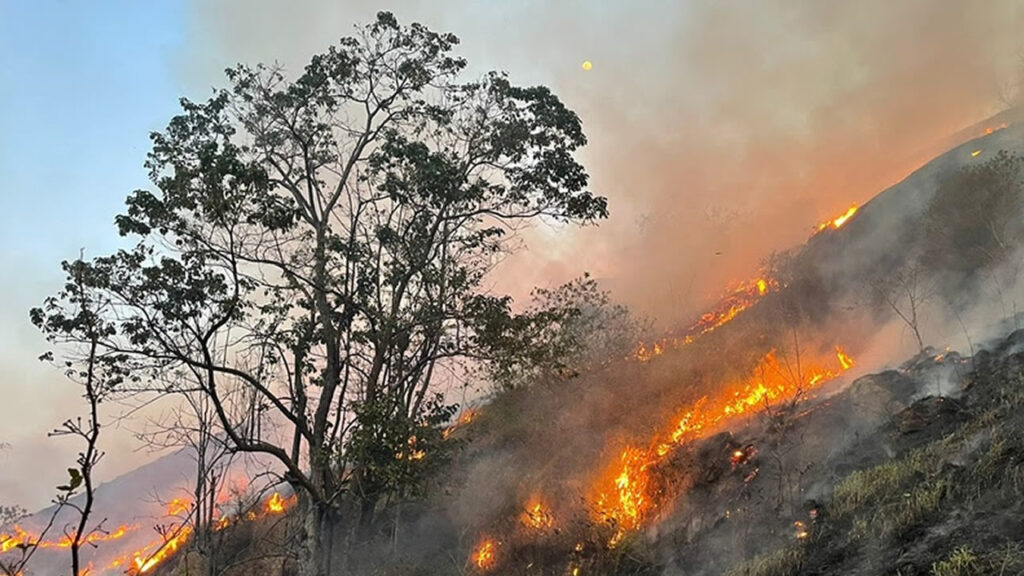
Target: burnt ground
936, 488
913, 471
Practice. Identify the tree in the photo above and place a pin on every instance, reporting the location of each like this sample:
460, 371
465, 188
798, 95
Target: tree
192, 426
564, 331
10, 513
906, 290
974, 219
333, 232
81, 325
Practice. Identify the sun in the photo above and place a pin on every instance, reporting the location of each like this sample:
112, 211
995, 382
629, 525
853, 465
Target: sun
587, 65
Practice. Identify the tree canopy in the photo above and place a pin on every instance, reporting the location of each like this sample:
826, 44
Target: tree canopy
313, 249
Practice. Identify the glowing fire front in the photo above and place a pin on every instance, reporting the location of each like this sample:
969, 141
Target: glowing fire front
628, 494
21, 538
838, 222
146, 558
143, 560
738, 299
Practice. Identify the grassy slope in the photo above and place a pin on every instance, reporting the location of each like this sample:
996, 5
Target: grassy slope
949, 502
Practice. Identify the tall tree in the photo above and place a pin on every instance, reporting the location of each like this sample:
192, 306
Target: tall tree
333, 232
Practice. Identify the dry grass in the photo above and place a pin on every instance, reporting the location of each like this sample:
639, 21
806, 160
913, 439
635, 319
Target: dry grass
785, 561
964, 561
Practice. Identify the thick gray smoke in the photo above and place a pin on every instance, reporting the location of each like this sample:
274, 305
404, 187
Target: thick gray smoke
719, 130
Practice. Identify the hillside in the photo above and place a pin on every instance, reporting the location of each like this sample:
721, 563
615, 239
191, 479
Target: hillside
785, 435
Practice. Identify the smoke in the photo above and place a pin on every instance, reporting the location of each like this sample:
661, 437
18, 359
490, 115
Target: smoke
720, 131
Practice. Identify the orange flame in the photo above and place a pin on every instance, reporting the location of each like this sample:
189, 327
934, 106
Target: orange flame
277, 504
22, 538
626, 495
19, 538
537, 516
837, 222
143, 561
466, 417
484, 556
740, 298
991, 129
178, 507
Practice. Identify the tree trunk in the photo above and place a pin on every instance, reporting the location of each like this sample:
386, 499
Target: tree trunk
318, 541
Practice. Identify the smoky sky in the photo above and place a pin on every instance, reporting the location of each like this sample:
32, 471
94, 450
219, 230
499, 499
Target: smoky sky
719, 131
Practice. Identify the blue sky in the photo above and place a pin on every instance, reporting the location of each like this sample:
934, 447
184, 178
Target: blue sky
82, 84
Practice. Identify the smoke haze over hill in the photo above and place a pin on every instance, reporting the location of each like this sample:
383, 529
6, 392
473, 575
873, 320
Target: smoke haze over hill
719, 131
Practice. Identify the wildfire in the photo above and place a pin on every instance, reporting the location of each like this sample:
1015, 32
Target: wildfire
837, 223
537, 516
466, 417
143, 561
19, 538
414, 453
483, 557
627, 495
178, 507
743, 296
845, 361
991, 129
276, 504
24, 539
738, 299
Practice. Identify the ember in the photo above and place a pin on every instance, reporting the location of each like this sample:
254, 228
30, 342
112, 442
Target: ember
483, 557
538, 517
742, 456
991, 129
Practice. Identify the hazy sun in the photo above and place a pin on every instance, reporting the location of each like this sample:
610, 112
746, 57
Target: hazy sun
587, 65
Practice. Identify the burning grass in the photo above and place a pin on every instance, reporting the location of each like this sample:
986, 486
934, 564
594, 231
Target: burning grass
838, 222
736, 300
630, 493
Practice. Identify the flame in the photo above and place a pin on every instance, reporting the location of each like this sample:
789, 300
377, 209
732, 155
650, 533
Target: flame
466, 417
143, 561
277, 504
837, 222
414, 452
627, 495
178, 507
23, 538
991, 129
738, 299
537, 516
19, 538
845, 361
483, 557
